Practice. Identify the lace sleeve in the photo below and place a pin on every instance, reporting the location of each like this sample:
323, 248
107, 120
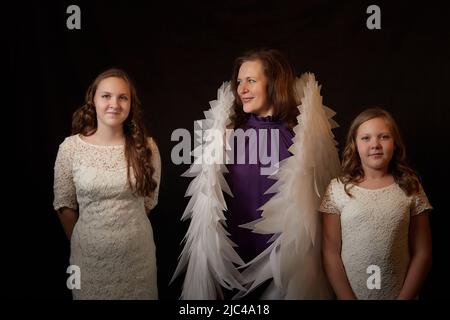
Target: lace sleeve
152, 200
419, 202
63, 186
329, 203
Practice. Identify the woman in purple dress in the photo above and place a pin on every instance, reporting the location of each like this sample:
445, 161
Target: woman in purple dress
265, 109
258, 211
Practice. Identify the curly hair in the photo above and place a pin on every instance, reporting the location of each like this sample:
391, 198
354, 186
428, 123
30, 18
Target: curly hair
138, 153
280, 89
352, 171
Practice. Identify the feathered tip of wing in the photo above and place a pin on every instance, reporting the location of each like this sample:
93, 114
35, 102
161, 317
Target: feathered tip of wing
208, 254
293, 260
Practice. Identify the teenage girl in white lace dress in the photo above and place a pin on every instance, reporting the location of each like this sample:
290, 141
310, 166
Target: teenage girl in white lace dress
376, 234
106, 181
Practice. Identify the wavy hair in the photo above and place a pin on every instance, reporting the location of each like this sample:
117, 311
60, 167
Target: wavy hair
280, 89
138, 153
352, 170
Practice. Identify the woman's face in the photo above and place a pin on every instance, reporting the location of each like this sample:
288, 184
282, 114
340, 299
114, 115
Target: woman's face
252, 89
112, 102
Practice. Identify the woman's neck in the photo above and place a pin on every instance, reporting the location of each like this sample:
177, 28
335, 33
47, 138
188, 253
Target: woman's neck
264, 114
109, 136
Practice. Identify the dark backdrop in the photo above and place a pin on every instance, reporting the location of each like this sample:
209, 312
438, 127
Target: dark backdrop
178, 55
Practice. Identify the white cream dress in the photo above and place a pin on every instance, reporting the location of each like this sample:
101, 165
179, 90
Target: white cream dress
375, 232
112, 241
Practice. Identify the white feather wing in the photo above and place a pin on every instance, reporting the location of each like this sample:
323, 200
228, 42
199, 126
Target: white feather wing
208, 253
293, 260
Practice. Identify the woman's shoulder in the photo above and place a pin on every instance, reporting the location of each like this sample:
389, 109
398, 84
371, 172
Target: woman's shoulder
70, 141
336, 183
68, 147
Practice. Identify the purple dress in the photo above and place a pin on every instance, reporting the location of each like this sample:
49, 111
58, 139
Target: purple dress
249, 180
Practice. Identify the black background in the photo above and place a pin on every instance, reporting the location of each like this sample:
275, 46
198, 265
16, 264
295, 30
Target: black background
178, 55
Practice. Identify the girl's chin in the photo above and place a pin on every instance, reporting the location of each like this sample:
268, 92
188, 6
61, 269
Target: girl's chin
113, 124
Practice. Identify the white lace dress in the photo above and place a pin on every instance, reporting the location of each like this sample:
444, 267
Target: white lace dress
375, 228
112, 241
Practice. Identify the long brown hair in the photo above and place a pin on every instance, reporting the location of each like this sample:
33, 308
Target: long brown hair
280, 89
137, 149
352, 171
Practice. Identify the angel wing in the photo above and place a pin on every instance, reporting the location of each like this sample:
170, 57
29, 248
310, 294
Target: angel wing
293, 260
208, 253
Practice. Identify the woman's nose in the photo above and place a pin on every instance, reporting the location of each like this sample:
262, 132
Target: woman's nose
114, 102
243, 88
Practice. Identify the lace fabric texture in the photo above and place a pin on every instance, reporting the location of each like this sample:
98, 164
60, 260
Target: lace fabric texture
112, 241
375, 230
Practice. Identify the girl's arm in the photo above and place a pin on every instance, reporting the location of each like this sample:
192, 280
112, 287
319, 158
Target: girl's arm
331, 255
420, 249
68, 218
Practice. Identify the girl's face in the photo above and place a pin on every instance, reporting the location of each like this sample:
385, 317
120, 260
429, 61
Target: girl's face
252, 89
112, 102
375, 144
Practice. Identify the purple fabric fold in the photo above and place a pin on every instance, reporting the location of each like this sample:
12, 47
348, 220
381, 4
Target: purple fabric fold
248, 184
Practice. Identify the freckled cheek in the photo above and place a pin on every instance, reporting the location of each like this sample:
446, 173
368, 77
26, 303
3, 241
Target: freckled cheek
362, 152
390, 154
389, 149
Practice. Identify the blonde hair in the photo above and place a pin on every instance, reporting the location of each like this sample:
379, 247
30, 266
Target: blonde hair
352, 171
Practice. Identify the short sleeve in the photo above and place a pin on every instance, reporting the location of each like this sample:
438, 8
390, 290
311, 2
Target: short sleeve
152, 200
329, 201
419, 202
63, 185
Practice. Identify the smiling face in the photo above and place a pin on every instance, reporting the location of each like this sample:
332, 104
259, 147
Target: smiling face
112, 102
252, 89
375, 144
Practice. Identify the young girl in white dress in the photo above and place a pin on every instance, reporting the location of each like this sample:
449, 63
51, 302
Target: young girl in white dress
106, 181
376, 234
